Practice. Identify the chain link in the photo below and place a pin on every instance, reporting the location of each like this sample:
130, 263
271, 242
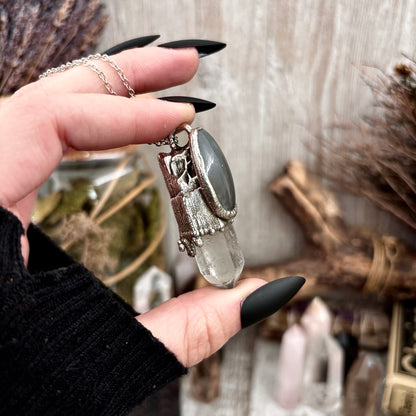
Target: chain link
120, 73
171, 140
86, 61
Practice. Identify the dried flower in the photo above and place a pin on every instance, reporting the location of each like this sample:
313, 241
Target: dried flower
377, 159
38, 34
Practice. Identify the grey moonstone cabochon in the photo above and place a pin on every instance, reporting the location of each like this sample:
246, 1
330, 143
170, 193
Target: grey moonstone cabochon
217, 169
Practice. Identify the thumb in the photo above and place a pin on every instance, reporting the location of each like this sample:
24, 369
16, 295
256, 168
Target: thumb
196, 324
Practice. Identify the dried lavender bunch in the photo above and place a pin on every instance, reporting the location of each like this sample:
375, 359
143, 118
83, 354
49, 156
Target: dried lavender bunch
38, 34
377, 159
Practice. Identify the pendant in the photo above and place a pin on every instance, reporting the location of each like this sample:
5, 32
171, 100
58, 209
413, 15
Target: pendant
202, 195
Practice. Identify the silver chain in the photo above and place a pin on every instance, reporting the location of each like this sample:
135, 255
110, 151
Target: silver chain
86, 61
171, 140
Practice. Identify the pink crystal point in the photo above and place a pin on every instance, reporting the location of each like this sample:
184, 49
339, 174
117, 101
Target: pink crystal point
288, 387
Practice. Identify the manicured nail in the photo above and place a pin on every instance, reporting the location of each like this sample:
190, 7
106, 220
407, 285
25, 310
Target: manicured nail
268, 299
204, 47
130, 44
199, 104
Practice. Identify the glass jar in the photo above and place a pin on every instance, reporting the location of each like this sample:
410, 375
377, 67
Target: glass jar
104, 209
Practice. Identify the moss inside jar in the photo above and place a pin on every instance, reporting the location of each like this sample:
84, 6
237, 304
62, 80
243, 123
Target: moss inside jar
104, 209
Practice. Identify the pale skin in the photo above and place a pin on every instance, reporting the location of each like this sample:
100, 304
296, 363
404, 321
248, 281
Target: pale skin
73, 110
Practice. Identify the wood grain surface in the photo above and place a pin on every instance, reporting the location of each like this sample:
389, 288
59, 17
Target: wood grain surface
289, 72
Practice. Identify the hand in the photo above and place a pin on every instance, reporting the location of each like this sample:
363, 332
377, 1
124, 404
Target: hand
72, 110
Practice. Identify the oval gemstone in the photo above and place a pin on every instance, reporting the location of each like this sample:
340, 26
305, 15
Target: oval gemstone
217, 169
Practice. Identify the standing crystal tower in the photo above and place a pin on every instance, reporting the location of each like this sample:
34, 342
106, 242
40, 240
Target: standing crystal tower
323, 369
363, 387
323, 374
317, 318
288, 387
202, 195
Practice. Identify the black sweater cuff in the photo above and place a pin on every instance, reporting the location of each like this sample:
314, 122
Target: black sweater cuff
68, 344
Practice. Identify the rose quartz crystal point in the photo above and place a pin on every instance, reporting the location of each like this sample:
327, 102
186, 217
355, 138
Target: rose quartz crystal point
289, 371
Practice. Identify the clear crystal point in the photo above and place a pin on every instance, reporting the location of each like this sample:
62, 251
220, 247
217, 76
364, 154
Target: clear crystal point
323, 374
220, 259
317, 318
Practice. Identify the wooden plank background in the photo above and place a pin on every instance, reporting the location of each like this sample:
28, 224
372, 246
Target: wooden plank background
289, 72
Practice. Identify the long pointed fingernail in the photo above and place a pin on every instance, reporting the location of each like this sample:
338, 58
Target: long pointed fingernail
199, 104
204, 47
268, 299
130, 44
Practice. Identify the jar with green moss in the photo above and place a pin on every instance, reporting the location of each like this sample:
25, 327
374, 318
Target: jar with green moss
104, 209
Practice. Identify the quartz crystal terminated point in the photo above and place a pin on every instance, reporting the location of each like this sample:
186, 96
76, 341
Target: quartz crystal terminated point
317, 318
323, 374
151, 289
363, 387
220, 259
288, 386
323, 369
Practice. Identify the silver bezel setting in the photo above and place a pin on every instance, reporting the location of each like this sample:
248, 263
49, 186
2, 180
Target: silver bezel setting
206, 187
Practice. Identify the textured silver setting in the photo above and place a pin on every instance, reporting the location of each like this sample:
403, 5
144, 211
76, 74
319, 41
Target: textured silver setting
201, 219
195, 204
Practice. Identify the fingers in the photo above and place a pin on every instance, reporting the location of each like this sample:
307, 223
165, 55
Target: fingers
147, 69
196, 324
43, 126
102, 121
45, 118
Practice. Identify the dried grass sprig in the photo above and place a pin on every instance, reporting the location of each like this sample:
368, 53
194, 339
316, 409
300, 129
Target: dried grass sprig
377, 158
38, 34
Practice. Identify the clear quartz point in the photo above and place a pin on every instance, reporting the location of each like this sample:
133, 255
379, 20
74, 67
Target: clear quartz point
220, 259
323, 375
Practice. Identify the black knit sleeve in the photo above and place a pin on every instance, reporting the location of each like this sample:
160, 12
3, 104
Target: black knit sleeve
68, 344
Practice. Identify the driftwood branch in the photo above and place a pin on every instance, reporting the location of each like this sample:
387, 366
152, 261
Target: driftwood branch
337, 256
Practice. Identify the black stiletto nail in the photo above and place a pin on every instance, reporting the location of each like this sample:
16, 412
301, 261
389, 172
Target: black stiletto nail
199, 104
268, 299
130, 44
204, 47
